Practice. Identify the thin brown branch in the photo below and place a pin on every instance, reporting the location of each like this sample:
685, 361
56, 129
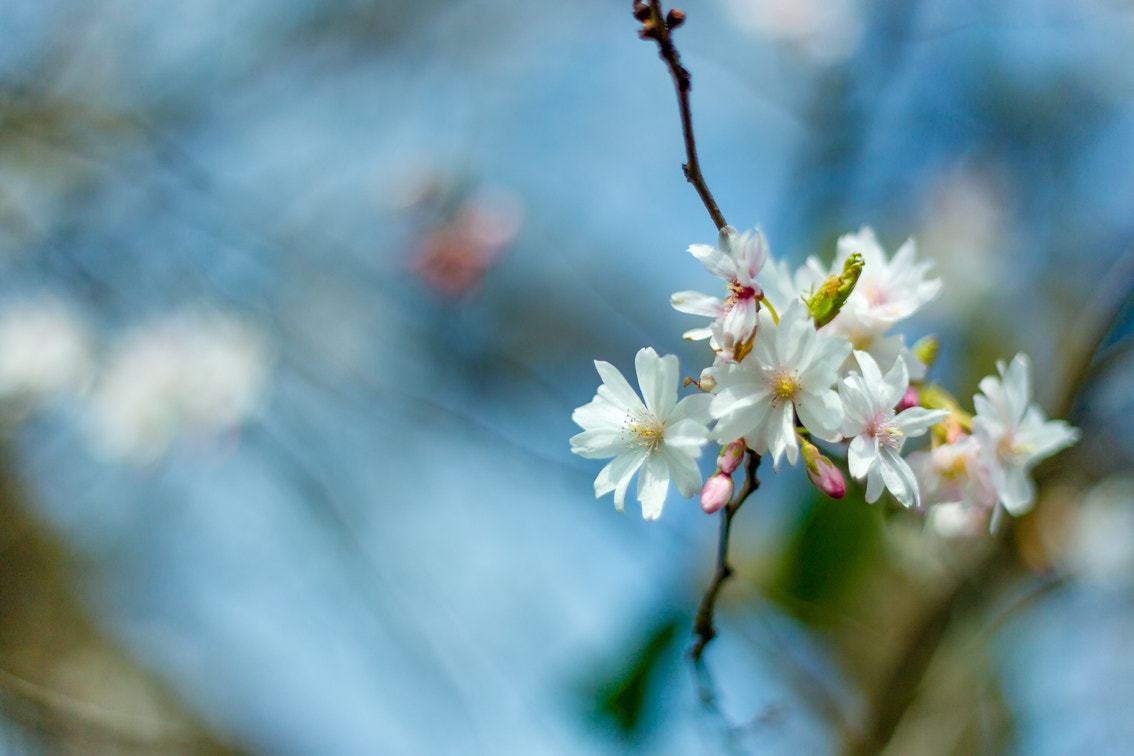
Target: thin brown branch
658, 27
703, 625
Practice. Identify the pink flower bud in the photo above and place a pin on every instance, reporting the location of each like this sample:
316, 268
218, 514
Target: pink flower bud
909, 399
730, 457
716, 493
827, 478
822, 472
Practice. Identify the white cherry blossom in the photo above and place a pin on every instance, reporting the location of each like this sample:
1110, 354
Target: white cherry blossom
738, 259
790, 370
877, 433
1014, 434
659, 438
888, 290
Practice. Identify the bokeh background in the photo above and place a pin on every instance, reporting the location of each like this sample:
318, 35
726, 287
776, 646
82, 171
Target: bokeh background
296, 299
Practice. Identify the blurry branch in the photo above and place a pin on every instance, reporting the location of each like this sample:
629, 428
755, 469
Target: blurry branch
62, 681
703, 624
1096, 320
657, 27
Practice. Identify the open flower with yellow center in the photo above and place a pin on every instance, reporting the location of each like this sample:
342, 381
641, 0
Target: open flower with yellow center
1014, 434
789, 372
877, 433
659, 438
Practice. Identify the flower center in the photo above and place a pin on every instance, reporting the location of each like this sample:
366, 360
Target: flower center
784, 384
1012, 452
737, 292
642, 431
882, 427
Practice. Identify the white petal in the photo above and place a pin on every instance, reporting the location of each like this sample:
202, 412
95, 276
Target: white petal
1017, 387
616, 477
821, 413
615, 388
874, 485
1047, 437
893, 386
781, 434
861, 454
794, 335
749, 420
599, 413
917, 420
871, 375
714, 260
686, 475
696, 303
697, 334
1018, 492
653, 485
598, 444
658, 378
899, 478
694, 407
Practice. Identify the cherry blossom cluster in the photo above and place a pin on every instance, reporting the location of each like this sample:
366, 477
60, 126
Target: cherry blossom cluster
810, 355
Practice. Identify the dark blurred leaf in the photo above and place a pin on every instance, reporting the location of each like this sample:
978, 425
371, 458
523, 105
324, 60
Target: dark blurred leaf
620, 697
834, 542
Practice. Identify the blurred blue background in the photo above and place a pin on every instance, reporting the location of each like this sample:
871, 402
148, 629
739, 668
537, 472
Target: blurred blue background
296, 299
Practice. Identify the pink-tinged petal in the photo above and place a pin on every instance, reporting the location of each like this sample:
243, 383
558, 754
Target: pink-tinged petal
685, 473
899, 478
861, 454
917, 420
653, 485
821, 413
615, 388
598, 444
696, 303
740, 322
753, 256
616, 477
658, 378
1018, 493
1017, 388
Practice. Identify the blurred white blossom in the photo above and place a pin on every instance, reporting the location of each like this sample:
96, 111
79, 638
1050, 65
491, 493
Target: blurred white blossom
826, 31
44, 349
1101, 549
191, 373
